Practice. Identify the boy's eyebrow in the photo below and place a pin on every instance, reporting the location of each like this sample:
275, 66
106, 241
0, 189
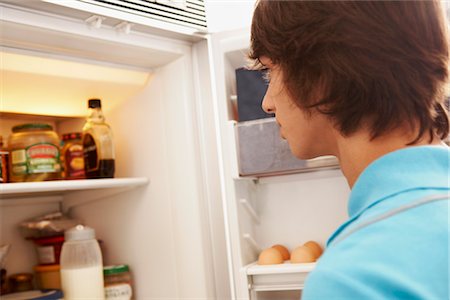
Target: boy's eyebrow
255, 64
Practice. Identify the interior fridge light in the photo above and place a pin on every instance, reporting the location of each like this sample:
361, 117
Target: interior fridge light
48, 86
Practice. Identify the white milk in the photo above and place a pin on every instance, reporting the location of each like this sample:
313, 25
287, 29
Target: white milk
83, 283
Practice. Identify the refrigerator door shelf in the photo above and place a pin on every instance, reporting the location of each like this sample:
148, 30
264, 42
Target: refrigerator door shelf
281, 277
262, 152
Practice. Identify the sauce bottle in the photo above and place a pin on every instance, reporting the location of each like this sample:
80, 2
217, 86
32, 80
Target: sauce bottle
81, 265
98, 145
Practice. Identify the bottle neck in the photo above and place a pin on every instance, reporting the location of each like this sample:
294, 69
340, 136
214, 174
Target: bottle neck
96, 115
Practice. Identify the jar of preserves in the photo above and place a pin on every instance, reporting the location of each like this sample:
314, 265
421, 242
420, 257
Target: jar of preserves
117, 282
34, 153
72, 157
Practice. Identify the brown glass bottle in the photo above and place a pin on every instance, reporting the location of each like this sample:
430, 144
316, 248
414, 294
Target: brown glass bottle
98, 145
105, 170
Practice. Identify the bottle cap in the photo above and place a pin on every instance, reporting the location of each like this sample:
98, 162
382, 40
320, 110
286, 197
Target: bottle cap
79, 233
95, 103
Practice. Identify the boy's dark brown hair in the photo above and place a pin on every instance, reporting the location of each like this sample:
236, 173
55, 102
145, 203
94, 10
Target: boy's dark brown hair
378, 63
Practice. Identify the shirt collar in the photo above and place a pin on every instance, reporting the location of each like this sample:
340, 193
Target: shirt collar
398, 171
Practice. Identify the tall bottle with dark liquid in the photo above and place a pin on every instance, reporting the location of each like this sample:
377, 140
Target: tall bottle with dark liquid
98, 147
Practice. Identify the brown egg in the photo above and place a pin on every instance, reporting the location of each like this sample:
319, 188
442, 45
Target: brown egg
283, 250
315, 247
270, 256
302, 254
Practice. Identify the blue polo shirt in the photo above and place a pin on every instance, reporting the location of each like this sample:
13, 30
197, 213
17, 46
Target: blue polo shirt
395, 244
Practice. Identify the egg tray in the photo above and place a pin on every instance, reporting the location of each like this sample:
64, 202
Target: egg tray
279, 277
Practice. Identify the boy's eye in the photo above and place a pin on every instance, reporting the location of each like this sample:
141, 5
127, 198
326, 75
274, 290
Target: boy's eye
266, 75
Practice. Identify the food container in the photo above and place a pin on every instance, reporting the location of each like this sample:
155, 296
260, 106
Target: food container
4, 154
117, 282
72, 159
48, 277
34, 153
21, 282
49, 249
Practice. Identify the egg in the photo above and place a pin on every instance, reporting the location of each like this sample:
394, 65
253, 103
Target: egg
283, 250
270, 256
302, 254
315, 247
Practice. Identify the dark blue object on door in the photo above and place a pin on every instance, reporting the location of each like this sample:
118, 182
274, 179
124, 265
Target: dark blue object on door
251, 88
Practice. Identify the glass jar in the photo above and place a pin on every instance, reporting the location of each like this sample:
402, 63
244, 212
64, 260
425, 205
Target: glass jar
117, 282
72, 159
20, 282
34, 153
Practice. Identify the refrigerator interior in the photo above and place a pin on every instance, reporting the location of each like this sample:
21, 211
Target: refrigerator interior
261, 212
152, 98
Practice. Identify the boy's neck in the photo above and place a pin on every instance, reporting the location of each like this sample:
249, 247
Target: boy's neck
356, 152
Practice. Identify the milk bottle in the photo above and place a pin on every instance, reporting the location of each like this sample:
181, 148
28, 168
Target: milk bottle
81, 265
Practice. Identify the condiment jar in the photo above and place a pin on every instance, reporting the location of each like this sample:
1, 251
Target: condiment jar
72, 158
49, 249
117, 282
20, 282
48, 277
34, 153
81, 265
4, 154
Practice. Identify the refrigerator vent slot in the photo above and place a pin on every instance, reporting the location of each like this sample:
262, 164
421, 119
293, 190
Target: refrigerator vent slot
183, 12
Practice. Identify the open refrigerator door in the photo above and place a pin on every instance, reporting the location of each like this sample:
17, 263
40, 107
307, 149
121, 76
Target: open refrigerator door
276, 204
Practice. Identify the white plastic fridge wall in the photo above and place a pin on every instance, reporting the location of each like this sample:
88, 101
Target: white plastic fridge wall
158, 231
289, 209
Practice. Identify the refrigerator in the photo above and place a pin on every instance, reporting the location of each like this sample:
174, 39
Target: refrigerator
178, 211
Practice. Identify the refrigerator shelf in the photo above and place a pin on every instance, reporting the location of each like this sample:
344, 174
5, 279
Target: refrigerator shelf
69, 192
281, 277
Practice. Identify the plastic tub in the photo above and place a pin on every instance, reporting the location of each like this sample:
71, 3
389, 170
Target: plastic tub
48, 277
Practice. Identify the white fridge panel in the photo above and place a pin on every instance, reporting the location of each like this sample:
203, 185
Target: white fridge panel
294, 212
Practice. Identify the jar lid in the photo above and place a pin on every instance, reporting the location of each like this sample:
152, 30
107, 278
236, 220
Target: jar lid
79, 233
72, 136
46, 268
32, 126
21, 277
111, 270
